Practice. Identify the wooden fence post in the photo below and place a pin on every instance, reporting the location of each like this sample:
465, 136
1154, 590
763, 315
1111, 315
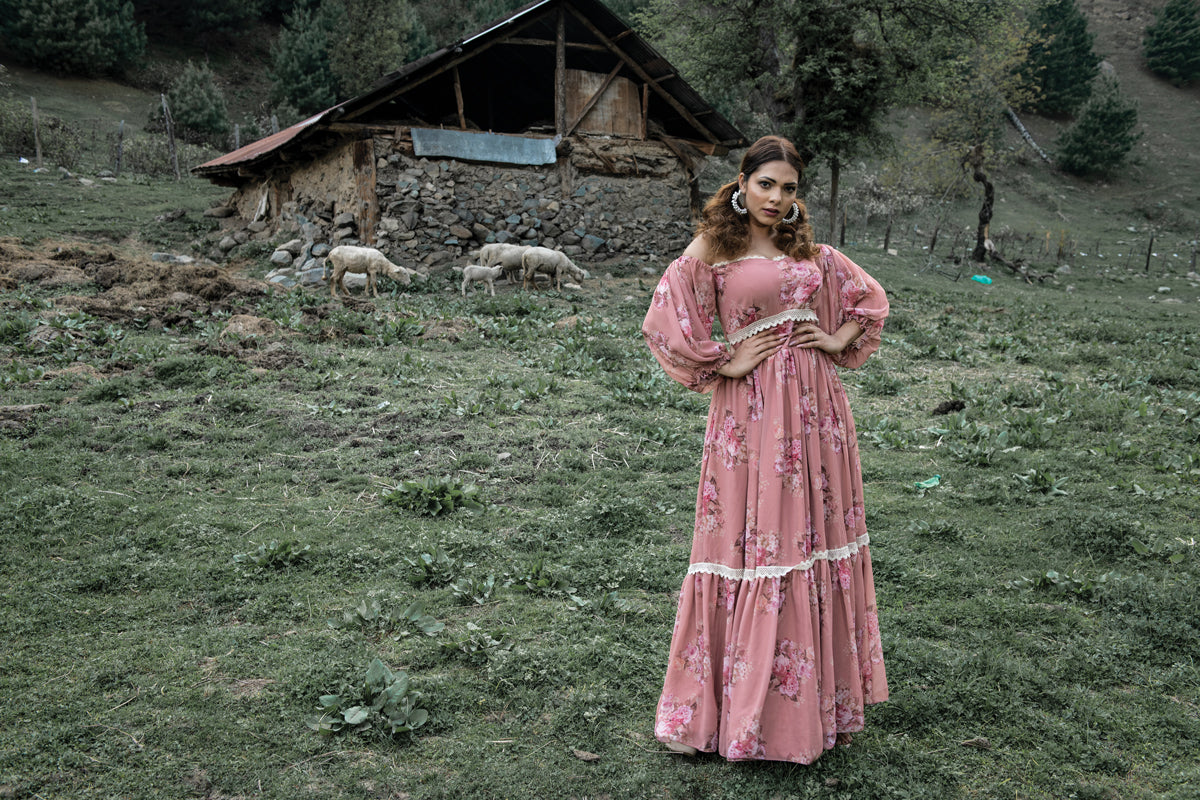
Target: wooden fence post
120, 146
170, 137
37, 135
1149, 250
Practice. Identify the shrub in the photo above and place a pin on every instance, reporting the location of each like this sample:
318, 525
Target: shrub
198, 105
62, 144
1099, 141
93, 37
1061, 61
1172, 42
301, 74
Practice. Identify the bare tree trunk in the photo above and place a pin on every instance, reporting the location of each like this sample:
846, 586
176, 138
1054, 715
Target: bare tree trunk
835, 172
887, 235
975, 160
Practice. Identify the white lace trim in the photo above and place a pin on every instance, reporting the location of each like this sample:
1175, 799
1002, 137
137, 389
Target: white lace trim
734, 574
779, 257
791, 315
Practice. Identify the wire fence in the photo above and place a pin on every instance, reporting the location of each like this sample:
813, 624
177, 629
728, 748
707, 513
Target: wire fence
1148, 252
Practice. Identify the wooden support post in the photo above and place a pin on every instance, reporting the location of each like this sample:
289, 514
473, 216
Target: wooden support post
170, 137
120, 147
1149, 250
462, 117
37, 135
560, 75
645, 108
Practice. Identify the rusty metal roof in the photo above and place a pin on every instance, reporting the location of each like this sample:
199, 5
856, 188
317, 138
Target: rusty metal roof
505, 73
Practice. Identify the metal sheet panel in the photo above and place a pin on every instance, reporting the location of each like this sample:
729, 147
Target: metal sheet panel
471, 146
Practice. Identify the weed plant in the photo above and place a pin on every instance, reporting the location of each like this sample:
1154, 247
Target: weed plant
207, 563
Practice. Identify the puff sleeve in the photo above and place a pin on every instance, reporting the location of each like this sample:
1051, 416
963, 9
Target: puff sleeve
678, 326
852, 294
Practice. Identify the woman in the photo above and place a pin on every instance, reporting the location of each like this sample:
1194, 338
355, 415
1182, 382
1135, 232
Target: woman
776, 647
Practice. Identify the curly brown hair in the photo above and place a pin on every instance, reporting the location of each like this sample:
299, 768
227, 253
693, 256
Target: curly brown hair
727, 233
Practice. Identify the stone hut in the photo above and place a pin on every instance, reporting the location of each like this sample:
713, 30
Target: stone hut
557, 125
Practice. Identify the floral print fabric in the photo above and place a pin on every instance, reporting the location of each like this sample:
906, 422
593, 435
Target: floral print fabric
776, 645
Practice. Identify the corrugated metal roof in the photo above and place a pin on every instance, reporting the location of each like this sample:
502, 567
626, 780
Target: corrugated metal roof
697, 117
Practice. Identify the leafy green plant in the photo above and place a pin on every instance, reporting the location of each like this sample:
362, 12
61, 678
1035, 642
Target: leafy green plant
1064, 584
535, 577
474, 590
276, 554
437, 568
476, 645
369, 617
433, 497
1037, 481
384, 702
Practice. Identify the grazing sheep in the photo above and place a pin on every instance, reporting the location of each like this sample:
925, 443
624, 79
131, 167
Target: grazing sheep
346, 258
474, 272
549, 262
505, 255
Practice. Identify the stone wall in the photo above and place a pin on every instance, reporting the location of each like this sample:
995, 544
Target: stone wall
436, 213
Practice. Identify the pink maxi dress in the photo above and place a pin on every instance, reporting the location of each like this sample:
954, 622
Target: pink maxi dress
776, 643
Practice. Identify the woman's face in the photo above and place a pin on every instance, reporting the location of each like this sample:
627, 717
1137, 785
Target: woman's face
769, 191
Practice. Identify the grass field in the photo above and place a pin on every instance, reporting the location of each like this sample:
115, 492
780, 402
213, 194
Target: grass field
202, 533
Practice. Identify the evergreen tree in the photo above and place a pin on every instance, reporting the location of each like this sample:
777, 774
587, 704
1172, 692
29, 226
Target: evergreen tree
301, 73
1100, 140
823, 73
198, 104
1062, 63
78, 37
1172, 42
372, 40
223, 16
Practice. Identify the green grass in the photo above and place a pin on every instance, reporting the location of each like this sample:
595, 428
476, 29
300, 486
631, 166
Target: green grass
176, 534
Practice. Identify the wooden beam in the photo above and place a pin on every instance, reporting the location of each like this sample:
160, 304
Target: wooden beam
637, 68
599, 48
454, 62
560, 75
593, 99
462, 118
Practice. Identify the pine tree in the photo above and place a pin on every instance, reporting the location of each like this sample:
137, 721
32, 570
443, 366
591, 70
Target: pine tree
1172, 42
372, 40
301, 73
77, 37
198, 104
1062, 63
1100, 140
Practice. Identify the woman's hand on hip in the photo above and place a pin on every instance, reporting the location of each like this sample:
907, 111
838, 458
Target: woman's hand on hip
751, 352
808, 335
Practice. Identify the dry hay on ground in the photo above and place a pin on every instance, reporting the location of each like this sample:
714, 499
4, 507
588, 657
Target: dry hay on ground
127, 286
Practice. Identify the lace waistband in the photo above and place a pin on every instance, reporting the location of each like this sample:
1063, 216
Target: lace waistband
735, 574
758, 326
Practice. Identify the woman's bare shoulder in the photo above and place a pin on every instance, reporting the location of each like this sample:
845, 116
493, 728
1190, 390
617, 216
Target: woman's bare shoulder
701, 249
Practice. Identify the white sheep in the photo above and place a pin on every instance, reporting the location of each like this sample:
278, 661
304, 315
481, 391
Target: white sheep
474, 272
506, 255
347, 258
549, 262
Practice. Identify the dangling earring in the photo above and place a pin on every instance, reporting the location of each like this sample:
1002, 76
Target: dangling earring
734, 200
792, 217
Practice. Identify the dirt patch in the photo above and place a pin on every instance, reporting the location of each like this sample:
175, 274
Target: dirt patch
127, 286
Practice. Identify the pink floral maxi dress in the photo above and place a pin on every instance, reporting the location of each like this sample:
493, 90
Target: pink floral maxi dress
776, 644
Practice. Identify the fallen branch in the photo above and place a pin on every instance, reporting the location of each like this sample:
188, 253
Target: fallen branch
1026, 135
1017, 266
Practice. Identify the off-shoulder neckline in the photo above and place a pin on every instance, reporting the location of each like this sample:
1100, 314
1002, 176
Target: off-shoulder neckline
780, 257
